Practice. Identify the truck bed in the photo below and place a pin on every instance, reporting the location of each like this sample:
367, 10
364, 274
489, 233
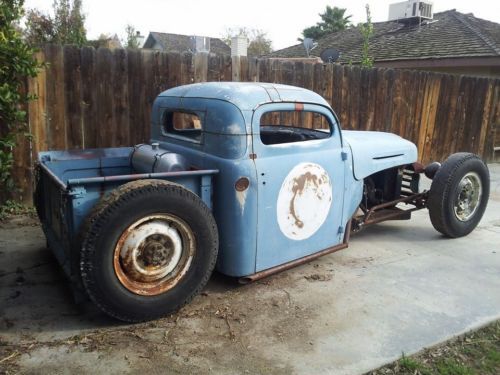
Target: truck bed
70, 183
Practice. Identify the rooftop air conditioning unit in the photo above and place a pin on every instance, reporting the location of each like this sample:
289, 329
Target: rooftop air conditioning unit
411, 9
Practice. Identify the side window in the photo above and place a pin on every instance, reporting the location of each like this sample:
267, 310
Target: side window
182, 124
278, 127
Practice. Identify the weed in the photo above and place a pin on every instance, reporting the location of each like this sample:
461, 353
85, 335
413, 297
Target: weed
11, 207
451, 367
409, 364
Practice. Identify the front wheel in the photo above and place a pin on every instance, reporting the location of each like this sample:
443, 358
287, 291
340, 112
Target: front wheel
459, 194
149, 247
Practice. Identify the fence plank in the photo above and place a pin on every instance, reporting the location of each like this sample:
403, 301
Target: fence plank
22, 170
473, 131
147, 96
37, 109
120, 97
89, 119
354, 97
73, 96
253, 69
56, 111
344, 110
486, 110
235, 68
418, 108
431, 116
493, 130
337, 90
104, 80
200, 67
187, 68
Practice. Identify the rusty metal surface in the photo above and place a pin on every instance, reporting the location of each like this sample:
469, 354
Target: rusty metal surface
389, 214
415, 198
298, 262
304, 201
153, 254
287, 266
242, 184
389, 211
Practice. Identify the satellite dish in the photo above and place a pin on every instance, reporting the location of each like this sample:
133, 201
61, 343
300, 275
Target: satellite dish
309, 45
330, 55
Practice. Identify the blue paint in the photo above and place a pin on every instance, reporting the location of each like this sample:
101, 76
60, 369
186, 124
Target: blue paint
376, 151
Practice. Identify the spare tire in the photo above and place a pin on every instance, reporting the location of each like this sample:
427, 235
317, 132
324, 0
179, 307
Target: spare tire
148, 248
459, 194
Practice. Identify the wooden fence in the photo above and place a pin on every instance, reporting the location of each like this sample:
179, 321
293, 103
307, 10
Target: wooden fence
102, 98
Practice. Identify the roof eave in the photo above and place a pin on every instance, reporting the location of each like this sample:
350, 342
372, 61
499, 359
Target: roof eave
430, 62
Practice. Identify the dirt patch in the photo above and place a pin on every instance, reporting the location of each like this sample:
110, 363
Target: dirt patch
37, 332
193, 340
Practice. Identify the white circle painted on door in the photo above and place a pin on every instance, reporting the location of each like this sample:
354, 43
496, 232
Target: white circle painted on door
304, 201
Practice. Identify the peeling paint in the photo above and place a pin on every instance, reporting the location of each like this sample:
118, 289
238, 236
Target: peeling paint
241, 197
304, 201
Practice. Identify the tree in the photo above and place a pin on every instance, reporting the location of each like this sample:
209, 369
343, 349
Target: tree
332, 20
131, 41
258, 42
66, 27
39, 28
366, 31
17, 62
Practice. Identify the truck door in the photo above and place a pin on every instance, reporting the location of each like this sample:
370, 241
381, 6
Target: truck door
297, 150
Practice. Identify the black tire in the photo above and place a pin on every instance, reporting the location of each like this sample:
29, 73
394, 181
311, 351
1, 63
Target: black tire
113, 217
446, 188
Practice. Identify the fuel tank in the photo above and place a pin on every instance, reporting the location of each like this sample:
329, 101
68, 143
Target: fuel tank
151, 158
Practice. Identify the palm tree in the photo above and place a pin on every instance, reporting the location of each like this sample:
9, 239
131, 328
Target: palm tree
332, 19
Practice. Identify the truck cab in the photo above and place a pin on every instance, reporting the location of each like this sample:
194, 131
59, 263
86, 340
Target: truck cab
279, 152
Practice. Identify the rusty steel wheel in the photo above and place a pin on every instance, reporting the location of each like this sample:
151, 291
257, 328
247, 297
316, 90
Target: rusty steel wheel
153, 254
148, 248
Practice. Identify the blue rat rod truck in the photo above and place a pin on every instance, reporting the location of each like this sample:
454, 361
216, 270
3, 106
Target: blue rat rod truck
247, 178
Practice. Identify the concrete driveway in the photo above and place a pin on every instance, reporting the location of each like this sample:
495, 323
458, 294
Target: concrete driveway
399, 287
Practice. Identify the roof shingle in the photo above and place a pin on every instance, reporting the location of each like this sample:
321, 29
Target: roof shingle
450, 34
183, 43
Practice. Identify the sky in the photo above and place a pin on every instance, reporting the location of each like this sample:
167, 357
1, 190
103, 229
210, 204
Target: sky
282, 20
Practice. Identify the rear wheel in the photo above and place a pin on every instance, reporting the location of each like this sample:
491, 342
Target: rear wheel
149, 247
459, 195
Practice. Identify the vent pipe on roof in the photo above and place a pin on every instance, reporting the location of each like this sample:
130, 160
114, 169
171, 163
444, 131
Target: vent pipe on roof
201, 44
140, 39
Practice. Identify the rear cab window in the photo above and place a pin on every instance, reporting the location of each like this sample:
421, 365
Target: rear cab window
185, 125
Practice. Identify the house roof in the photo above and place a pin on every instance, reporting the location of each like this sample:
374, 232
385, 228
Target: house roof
182, 43
450, 34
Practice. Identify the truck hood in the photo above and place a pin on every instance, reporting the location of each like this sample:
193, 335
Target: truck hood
375, 151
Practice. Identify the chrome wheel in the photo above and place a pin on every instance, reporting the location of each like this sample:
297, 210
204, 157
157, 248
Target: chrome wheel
468, 196
153, 254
